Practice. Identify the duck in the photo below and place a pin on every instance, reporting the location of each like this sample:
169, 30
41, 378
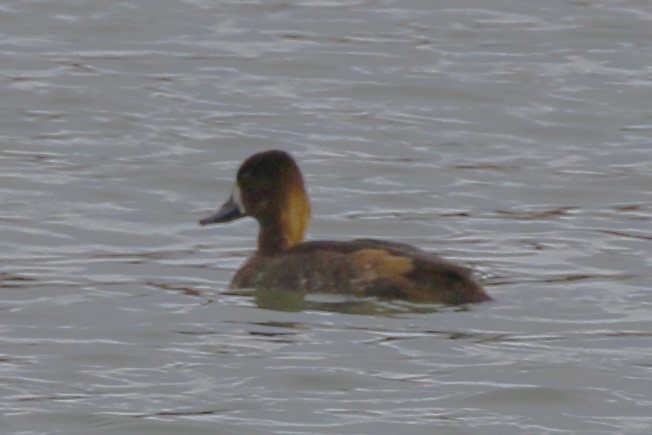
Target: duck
270, 188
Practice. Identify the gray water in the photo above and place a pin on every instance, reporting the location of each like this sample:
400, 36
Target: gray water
510, 136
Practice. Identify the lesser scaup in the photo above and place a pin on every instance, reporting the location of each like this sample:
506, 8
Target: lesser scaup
269, 187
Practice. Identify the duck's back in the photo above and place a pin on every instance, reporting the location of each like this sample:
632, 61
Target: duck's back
364, 267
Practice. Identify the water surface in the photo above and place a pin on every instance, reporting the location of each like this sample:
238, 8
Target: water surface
514, 137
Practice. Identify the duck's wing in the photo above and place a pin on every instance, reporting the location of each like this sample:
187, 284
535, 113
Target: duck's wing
371, 267
357, 245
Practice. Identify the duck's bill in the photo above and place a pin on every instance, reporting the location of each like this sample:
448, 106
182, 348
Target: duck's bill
228, 211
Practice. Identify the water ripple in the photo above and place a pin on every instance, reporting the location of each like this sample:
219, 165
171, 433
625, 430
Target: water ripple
514, 139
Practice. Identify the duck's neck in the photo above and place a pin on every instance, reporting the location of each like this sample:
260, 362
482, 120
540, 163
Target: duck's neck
286, 227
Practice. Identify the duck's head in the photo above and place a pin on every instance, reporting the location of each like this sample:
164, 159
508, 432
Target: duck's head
269, 187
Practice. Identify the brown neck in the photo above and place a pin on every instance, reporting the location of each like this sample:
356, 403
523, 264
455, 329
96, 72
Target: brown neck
272, 241
286, 226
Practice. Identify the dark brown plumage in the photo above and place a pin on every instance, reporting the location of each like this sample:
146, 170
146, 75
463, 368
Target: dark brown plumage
269, 187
